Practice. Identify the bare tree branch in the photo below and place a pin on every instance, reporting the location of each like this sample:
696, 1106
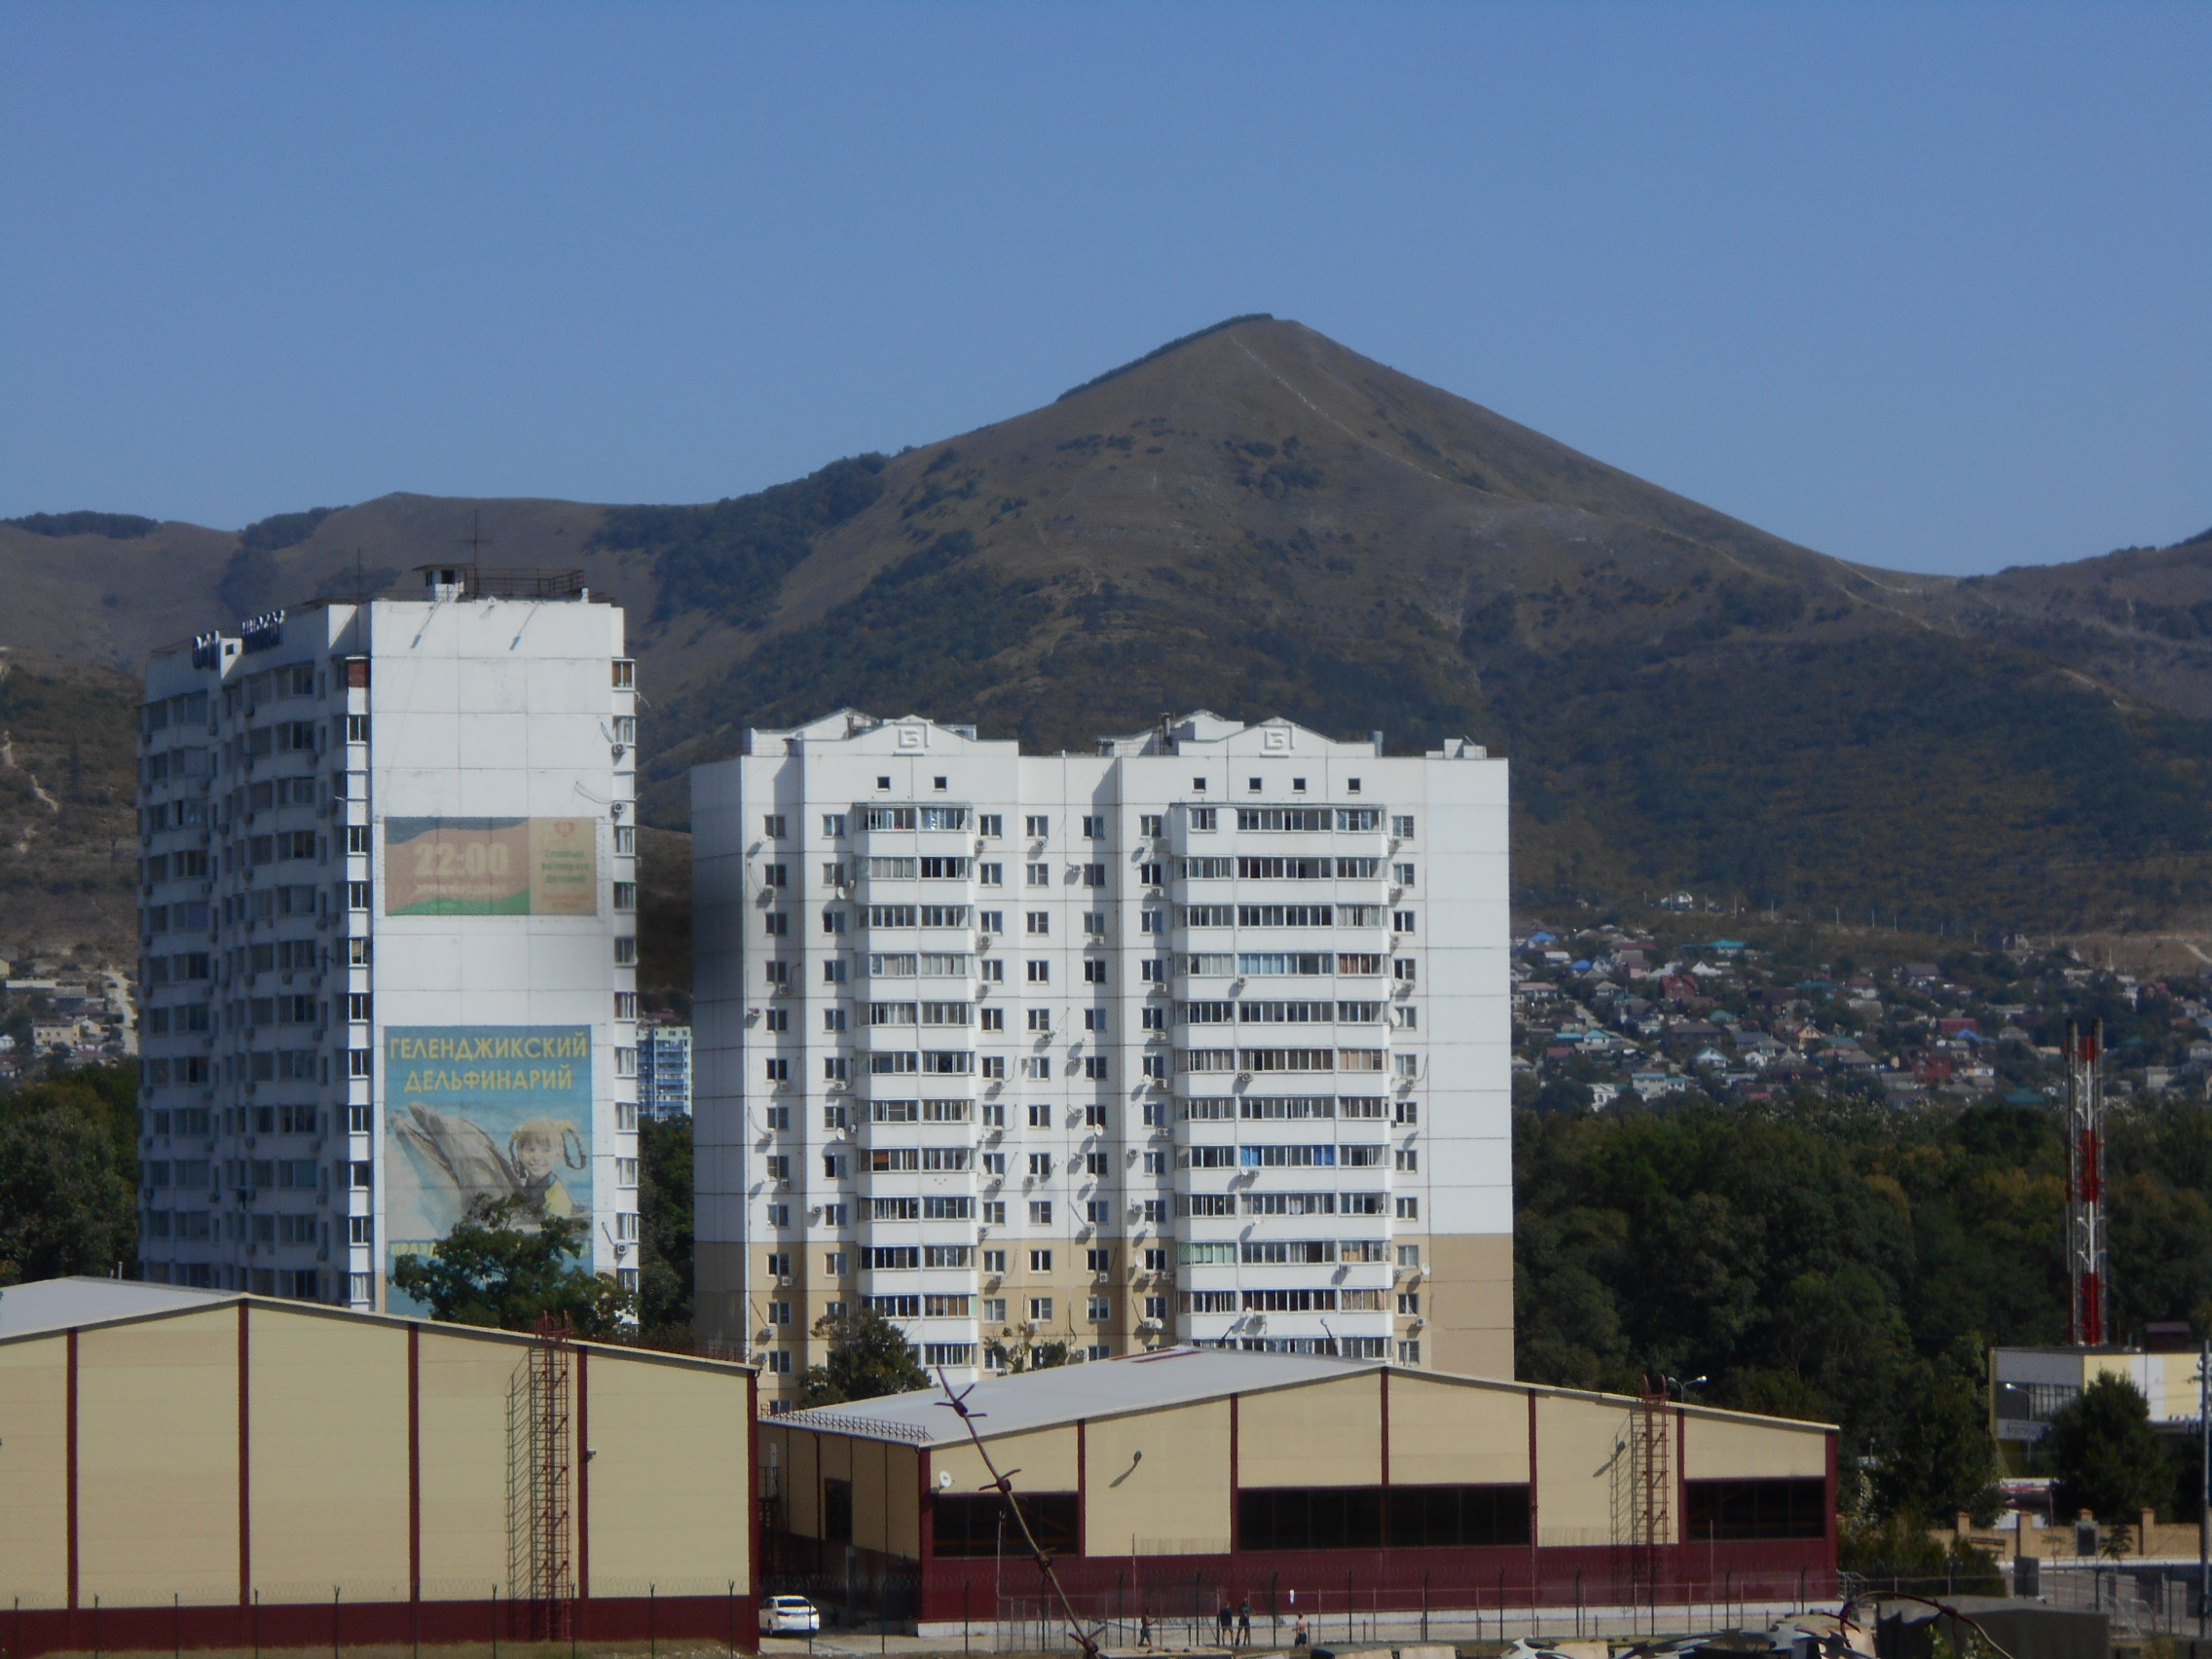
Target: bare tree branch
1003, 1483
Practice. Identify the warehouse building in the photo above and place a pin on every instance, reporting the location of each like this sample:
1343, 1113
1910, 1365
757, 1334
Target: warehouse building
1188, 1478
189, 1468
1203, 1037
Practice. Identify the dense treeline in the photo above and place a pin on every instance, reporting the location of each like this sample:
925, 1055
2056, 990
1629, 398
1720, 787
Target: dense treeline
1843, 1261
69, 1175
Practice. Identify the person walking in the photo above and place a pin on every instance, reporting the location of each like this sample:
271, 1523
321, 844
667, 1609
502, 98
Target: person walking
1299, 1636
1244, 1622
1144, 1629
1222, 1621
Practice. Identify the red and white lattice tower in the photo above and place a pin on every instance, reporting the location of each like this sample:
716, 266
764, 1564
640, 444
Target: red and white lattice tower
2086, 1285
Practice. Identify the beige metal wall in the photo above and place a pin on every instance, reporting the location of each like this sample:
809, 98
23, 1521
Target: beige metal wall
462, 1384
158, 1460
328, 1403
1446, 1433
1318, 1434
1158, 1482
1719, 1448
670, 1503
327, 1481
34, 1503
1174, 1498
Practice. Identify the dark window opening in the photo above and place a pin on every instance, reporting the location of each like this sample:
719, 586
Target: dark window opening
837, 1511
969, 1522
1757, 1509
1457, 1517
1366, 1517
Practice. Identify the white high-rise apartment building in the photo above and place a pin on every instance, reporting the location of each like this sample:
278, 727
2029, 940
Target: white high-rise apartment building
389, 922
1203, 1038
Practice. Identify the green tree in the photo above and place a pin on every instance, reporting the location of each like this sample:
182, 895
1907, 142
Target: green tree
67, 1203
1940, 1458
503, 1266
664, 1209
1033, 1356
2103, 1455
869, 1357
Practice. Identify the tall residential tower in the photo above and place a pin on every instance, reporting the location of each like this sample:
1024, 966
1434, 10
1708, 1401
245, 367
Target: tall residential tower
388, 921
1202, 1037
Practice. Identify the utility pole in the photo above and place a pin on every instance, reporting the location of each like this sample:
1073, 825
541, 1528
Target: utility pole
2085, 1269
2204, 1491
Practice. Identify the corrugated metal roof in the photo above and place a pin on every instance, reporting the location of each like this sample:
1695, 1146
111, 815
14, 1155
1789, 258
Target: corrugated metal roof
56, 1305
1096, 1389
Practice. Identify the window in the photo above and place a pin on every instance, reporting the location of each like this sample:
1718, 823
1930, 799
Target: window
1094, 923
357, 895
1405, 1018
991, 1018
994, 1066
1039, 1117
1152, 922
1409, 1302
833, 826
1253, 785
625, 896
1040, 1165
1755, 1509
833, 1263
836, 1068
1408, 1160
1037, 1066
1094, 828
1035, 826
1152, 824
356, 837
1041, 1215
778, 1071
1409, 1209
779, 1313
772, 825
1201, 817
1095, 973
1038, 922
833, 970
777, 923
991, 875
1040, 973
1401, 921
625, 951
990, 824
1041, 1310
625, 1006
1155, 1307
991, 921
1040, 1019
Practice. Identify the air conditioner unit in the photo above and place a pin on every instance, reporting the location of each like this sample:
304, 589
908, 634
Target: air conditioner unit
784, 1281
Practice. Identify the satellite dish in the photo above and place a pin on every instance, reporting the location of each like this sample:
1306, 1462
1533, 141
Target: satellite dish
945, 1479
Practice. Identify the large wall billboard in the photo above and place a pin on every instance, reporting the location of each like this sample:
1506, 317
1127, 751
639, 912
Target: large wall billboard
483, 1111
491, 866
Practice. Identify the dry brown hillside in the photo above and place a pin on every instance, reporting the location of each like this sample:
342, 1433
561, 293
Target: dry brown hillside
1258, 520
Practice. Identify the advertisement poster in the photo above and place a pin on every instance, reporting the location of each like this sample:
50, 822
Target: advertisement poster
491, 866
483, 1111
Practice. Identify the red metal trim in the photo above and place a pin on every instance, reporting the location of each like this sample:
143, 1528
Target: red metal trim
583, 1479
1081, 1486
1831, 1502
245, 1461
413, 1461
925, 1517
1534, 1536
1386, 1424
305, 1625
69, 1410
1235, 1472
1682, 1563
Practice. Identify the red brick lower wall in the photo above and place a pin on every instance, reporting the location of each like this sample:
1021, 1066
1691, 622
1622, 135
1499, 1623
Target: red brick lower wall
728, 1621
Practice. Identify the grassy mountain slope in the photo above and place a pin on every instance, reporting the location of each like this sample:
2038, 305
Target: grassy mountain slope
1258, 520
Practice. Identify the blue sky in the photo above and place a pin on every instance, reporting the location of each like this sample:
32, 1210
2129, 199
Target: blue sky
1927, 286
